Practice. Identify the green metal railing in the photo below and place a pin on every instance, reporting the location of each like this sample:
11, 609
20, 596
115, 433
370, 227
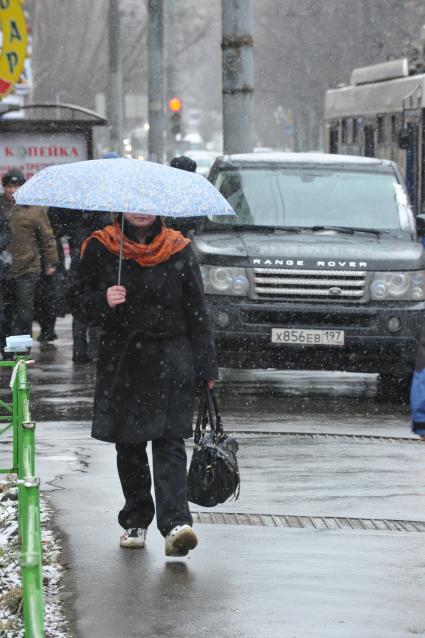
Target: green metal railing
17, 417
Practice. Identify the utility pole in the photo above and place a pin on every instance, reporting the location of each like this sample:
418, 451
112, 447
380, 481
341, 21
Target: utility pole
156, 80
238, 76
170, 69
115, 97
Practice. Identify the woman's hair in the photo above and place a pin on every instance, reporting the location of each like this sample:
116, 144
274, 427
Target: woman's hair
153, 230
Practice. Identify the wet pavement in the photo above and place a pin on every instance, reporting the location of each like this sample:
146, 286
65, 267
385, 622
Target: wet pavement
326, 540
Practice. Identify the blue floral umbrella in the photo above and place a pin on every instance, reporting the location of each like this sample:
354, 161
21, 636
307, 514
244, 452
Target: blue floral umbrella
123, 186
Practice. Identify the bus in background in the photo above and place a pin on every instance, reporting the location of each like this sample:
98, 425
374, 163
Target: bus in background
381, 114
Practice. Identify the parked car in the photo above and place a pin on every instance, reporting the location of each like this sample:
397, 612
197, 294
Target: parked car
320, 269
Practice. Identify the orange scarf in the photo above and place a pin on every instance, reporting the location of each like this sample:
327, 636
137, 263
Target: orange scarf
166, 243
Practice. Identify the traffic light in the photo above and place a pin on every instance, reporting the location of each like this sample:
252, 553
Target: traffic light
175, 107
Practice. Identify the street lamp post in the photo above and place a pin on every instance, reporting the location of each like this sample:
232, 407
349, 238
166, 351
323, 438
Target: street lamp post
238, 76
156, 80
115, 98
170, 68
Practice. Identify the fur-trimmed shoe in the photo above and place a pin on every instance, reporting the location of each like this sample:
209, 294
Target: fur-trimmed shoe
180, 540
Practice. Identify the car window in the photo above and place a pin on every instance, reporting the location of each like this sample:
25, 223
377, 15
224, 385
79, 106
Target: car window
310, 197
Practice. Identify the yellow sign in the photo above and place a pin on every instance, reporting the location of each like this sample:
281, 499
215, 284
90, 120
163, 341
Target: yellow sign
14, 43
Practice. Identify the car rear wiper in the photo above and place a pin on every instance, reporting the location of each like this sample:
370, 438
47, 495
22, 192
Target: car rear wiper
347, 229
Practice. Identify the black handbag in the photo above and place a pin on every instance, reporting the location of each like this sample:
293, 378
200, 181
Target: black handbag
213, 475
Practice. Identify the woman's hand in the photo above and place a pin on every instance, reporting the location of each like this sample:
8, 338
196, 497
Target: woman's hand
210, 384
115, 295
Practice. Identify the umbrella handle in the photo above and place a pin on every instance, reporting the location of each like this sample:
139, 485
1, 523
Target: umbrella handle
121, 250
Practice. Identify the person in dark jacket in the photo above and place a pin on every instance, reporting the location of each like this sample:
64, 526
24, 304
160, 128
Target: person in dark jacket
185, 225
184, 163
31, 246
49, 296
85, 339
155, 345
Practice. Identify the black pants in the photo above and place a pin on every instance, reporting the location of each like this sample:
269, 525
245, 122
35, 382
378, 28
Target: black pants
23, 309
85, 341
18, 300
7, 296
45, 306
170, 483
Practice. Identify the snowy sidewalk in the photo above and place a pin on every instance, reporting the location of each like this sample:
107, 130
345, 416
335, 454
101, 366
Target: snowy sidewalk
300, 456
242, 581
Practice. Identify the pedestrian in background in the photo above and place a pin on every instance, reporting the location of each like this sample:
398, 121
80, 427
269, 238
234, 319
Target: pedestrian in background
184, 163
185, 226
85, 338
155, 344
32, 241
50, 297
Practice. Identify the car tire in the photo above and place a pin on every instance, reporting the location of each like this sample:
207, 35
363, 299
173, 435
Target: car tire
394, 386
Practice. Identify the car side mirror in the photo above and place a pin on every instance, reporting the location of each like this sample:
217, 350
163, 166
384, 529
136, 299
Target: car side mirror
420, 224
404, 138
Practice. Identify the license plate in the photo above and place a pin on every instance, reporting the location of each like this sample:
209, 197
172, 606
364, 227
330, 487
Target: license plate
299, 336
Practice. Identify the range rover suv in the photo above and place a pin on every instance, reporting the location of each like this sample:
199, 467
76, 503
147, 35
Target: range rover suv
320, 269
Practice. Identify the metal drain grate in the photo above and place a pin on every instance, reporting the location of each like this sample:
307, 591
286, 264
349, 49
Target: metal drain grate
307, 522
326, 435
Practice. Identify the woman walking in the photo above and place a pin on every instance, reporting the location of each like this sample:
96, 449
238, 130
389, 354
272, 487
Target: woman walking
155, 346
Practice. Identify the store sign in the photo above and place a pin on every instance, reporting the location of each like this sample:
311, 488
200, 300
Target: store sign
30, 152
13, 43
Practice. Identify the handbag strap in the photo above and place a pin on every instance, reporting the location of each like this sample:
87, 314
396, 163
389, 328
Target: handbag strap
202, 418
219, 420
214, 415
208, 413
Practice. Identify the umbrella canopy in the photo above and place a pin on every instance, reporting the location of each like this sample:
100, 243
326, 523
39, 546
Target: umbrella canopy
123, 185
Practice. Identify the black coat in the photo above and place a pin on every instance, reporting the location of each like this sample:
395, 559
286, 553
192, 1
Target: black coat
153, 348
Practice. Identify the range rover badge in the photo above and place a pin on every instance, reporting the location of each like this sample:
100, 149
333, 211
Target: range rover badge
335, 291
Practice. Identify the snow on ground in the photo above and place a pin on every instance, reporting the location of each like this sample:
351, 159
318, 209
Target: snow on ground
11, 619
